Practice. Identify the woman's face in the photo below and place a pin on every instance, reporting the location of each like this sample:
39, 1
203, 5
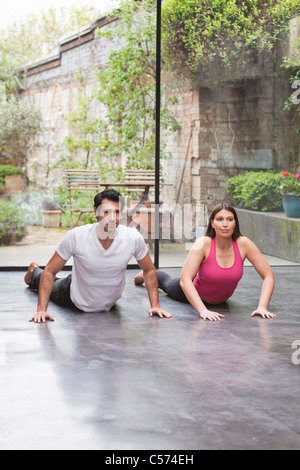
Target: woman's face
224, 223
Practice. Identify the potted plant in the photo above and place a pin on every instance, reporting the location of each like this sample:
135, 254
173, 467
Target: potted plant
290, 188
51, 212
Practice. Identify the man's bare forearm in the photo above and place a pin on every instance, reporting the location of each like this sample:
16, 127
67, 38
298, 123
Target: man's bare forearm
150, 278
45, 289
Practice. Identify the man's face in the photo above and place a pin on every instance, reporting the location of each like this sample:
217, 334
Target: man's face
108, 216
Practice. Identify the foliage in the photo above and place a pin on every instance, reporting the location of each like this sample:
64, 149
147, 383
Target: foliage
83, 143
292, 105
259, 191
20, 123
81, 121
6, 170
50, 203
127, 88
80, 199
30, 205
219, 37
36, 36
290, 183
12, 223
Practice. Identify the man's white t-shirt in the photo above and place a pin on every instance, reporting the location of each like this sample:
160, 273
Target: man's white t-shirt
98, 275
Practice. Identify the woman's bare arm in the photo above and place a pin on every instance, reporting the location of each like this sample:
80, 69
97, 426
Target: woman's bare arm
195, 257
263, 268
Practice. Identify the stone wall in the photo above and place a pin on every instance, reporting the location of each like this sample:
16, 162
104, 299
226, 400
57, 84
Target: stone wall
224, 131
274, 234
229, 129
52, 84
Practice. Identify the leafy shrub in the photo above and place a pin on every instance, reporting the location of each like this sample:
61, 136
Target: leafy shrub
12, 223
20, 124
30, 204
79, 199
259, 191
6, 170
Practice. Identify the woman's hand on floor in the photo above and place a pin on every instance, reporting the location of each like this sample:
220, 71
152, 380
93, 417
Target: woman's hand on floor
212, 316
263, 312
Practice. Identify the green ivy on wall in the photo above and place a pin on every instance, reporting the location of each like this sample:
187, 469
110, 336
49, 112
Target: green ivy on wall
126, 87
219, 37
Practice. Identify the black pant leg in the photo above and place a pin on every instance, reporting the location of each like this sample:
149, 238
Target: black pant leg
171, 286
61, 288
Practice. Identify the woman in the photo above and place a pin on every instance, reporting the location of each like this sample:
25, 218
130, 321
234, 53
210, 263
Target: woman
214, 266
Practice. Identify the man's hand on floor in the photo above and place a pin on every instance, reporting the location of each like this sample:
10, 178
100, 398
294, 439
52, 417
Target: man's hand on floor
41, 317
160, 312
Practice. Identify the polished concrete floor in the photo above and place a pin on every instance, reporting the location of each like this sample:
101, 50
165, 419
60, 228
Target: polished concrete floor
123, 381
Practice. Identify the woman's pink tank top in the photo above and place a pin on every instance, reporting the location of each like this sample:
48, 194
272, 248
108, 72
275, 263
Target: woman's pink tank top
217, 284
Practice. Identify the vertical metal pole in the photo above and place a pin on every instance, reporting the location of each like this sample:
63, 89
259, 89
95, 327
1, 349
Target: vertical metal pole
157, 131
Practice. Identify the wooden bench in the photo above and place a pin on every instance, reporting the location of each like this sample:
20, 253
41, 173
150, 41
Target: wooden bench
139, 177
81, 180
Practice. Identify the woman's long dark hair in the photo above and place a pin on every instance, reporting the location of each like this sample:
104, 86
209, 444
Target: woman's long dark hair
210, 232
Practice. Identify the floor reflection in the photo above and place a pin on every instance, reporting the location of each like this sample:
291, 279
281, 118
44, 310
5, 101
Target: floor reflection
120, 380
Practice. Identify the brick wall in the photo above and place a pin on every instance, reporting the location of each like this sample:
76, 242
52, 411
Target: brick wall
232, 128
52, 85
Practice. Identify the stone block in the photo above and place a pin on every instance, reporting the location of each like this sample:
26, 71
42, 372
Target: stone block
14, 184
274, 234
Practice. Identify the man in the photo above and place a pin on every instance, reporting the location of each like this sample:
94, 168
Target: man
101, 253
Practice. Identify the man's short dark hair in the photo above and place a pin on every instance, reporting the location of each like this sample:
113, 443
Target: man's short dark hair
110, 194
